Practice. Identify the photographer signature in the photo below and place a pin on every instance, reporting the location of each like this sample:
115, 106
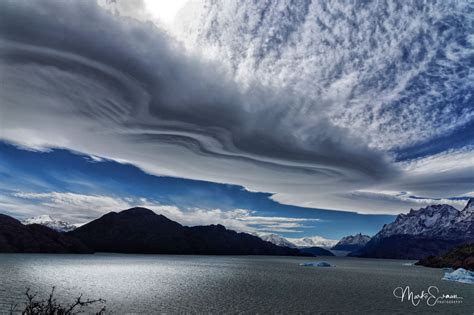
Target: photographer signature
431, 296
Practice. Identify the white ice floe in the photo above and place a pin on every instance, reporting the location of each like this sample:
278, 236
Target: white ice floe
316, 264
460, 275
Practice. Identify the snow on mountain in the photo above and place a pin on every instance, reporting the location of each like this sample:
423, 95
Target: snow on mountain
357, 239
311, 241
277, 240
48, 221
433, 221
429, 231
421, 221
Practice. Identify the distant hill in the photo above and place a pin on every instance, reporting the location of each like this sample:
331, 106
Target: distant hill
18, 238
458, 257
311, 250
140, 230
277, 240
432, 230
316, 251
352, 242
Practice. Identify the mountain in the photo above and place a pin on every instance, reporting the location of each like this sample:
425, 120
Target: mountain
311, 250
140, 230
352, 242
316, 251
48, 221
277, 240
311, 241
34, 238
458, 257
432, 230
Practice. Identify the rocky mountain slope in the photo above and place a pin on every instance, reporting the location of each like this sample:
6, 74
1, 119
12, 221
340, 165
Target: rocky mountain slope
352, 242
277, 240
50, 222
428, 231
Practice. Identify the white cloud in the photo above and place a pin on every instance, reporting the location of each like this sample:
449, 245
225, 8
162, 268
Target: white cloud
379, 68
317, 97
81, 208
130, 93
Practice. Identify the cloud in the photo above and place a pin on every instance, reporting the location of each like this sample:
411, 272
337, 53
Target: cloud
397, 74
309, 102
117, 88
81, 208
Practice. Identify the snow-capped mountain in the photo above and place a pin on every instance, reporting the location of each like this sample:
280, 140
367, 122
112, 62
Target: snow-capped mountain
48, 221
434, 221
352, 242
421, 221
311, 241
277, 240
428, 231
308, 241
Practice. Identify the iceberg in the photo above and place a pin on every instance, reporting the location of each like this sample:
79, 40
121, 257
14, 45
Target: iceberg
316, 264
460, 275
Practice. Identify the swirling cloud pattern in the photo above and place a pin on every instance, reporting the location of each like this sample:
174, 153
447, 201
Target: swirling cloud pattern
309, 101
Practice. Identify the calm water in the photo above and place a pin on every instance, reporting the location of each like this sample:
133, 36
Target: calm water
162, 283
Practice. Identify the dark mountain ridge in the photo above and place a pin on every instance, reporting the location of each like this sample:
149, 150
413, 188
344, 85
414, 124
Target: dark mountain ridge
34, 238
140, 230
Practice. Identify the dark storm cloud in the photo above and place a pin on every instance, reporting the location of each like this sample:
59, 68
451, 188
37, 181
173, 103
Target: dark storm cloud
120, 88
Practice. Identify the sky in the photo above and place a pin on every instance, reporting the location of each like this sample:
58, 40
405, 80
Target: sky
307, 118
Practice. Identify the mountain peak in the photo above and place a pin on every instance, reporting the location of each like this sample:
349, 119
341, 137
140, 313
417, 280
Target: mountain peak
352, 242
421, 221
138, 211
42, 218
277, 240
469, 206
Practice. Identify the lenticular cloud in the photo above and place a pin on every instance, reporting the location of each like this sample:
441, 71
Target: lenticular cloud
121, 88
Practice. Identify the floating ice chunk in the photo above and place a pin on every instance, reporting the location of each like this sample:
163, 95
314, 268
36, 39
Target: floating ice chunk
316, 264
407, 264
460, 275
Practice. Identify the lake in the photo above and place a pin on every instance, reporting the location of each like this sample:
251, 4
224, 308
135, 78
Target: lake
249, 284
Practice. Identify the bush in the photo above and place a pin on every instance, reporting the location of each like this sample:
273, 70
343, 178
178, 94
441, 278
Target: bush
50, 306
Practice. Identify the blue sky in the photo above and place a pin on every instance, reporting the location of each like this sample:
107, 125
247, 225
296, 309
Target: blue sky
251, 114
61, 171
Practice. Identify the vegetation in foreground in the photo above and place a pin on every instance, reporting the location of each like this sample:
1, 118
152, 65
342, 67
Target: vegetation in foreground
50, 306
458, 257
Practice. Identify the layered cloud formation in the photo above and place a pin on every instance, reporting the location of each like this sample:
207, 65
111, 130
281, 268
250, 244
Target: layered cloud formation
396, 73
318, 120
